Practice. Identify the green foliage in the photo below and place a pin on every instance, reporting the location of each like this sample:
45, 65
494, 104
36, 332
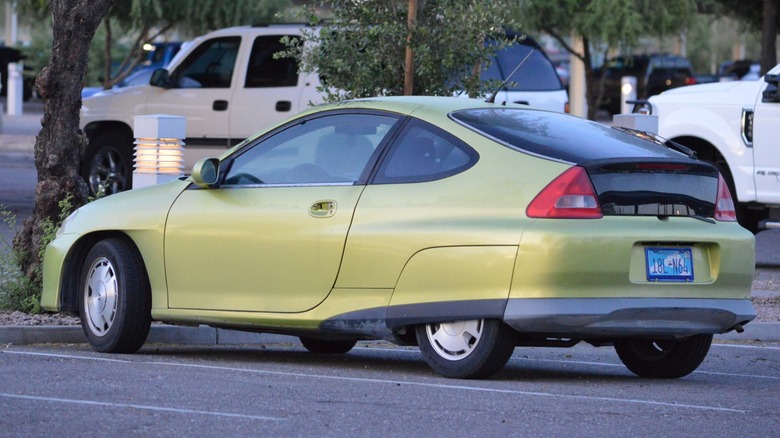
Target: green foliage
614, 23
135, 22
361, 52
17, 291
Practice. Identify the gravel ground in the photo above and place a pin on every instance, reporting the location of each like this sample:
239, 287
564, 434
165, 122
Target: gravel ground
766, 302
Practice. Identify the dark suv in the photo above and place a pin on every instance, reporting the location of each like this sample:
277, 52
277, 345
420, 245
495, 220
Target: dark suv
654, 74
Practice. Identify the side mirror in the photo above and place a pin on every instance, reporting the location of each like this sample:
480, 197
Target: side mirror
160, 78
205, 173
770, 94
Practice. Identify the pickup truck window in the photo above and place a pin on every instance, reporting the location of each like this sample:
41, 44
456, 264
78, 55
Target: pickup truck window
264, 71
210, 65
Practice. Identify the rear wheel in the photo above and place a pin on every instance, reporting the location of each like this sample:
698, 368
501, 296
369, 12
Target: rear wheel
115, 304
666, 359
322, 346
472, 349
108, 164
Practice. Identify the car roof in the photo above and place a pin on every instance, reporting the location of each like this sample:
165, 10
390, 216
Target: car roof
408, 104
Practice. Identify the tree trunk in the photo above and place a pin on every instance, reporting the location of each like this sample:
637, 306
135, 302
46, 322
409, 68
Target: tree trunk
60, 145
411, 23
769, 35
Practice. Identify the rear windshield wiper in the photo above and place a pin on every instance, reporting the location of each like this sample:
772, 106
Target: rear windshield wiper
659, 140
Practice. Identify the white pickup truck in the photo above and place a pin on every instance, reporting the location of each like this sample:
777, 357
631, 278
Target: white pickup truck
226, 83
736, 126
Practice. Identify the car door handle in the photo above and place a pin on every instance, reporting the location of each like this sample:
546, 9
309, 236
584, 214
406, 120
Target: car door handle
322, 209
283, 106
220, 105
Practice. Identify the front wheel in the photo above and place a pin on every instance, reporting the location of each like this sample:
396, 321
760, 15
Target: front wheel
667, 359
472, 349
115, 304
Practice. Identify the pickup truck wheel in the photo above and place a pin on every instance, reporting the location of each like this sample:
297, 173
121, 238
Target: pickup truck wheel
666, 359
473, 349
108, 164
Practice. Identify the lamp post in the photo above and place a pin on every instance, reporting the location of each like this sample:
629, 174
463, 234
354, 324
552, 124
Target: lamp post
159, 149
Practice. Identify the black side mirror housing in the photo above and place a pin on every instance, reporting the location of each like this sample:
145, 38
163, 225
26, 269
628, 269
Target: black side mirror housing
770, 94
161, 78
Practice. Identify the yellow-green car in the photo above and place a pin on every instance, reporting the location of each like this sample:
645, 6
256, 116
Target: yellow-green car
464, 227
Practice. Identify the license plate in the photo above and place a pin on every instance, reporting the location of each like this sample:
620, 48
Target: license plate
669, 264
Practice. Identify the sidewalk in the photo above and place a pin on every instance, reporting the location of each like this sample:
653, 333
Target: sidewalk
17, 136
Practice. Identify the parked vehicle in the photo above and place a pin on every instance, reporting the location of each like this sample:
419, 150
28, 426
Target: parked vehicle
535, 82
228, 85
654, 74
465, 227
7, 56
734, 126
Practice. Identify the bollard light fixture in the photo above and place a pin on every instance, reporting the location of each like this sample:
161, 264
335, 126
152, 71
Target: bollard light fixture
159, 149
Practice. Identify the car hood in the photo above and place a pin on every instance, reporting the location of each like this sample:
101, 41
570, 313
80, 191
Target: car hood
719, 93
117, 104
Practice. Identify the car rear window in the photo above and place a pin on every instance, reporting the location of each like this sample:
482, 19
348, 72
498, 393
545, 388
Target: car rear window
558, 136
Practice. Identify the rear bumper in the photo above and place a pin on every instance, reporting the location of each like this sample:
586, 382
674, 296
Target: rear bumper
626, 317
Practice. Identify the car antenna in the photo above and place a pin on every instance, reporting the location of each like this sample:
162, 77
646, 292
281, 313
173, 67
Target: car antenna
492, 98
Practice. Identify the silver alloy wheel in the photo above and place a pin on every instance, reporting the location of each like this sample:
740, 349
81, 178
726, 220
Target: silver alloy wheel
455, 340
107, 173
101, 292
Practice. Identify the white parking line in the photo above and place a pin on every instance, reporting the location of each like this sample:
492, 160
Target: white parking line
603, 364
419, 384
756, 347
144, 407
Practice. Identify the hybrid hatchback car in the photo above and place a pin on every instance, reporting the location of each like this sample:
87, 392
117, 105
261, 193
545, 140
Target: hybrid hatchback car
464, 227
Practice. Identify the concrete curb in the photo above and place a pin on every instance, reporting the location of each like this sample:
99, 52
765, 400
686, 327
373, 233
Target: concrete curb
204, 335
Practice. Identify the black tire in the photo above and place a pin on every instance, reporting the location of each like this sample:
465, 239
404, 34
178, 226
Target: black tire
474, 349
322, 346
115, 300
108, 163
665, 359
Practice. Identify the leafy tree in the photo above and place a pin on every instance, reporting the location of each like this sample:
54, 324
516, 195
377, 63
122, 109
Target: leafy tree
142, 21
763, 15
362, 51
603, 25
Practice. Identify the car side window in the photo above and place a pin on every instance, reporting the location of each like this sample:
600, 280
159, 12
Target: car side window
330, 149
210, 65
264, 71
424, 152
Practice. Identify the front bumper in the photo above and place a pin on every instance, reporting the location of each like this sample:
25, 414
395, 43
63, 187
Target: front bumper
626, 317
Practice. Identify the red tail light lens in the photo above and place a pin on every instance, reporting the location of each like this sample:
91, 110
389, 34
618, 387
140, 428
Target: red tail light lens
690, 80
570, 196
724, 204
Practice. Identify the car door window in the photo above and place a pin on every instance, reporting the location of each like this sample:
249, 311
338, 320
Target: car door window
264, 71
424, 152
210, 65
330, 149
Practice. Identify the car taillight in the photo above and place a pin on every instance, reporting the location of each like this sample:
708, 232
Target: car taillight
690, 80
569, 196
724, 204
